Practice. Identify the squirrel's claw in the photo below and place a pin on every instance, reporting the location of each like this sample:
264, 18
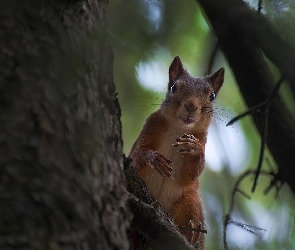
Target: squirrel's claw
187, 144
192, 232
162, 164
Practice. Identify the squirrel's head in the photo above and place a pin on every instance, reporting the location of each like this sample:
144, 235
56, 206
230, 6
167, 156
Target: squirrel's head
189, 100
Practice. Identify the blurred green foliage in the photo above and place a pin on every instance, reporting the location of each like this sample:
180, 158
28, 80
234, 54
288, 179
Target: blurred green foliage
146, 32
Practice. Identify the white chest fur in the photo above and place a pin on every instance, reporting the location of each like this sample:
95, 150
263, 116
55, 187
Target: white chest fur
166, 189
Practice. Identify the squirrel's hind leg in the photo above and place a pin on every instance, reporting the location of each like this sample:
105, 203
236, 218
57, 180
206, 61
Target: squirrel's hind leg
188, 216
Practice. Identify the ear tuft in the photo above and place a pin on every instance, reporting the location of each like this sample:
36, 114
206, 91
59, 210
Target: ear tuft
176, 69
217, 79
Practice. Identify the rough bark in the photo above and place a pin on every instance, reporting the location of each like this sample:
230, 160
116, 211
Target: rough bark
149, 221
61, 181
243, 35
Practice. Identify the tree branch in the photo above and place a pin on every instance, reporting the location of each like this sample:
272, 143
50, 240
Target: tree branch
242, 34
228, 218
264, 108
149, 220
159, 231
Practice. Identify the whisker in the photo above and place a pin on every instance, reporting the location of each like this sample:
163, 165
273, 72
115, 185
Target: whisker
173, 104
143, 97
206, 110
150, 105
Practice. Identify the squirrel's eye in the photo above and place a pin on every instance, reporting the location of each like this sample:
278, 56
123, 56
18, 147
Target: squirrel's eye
173, 88
212, 97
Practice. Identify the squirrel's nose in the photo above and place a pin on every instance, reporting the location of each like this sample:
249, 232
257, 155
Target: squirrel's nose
190, 107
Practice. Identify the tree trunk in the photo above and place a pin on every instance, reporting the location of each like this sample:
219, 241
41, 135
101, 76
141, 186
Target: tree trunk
61, 178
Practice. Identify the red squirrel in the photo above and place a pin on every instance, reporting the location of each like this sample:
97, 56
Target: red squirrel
169, 154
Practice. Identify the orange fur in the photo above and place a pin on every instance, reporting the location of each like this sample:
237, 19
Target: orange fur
180, 124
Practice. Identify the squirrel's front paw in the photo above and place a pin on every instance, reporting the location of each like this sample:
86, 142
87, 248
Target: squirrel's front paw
160, 163
187, 144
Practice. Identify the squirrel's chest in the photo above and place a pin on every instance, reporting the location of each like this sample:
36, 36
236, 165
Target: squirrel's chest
167, 149
166, 189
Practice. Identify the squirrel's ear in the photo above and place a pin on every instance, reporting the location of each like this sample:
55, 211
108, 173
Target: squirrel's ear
176, 69
217, 79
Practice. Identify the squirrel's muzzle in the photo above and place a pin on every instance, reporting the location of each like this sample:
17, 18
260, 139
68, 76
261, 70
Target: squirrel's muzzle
190, 106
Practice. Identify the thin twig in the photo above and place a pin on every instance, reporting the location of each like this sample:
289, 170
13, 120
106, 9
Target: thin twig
228, 216
265, 130
277, 183
228, 220
251, 111
259, 7
191, 229
263, 106
262, 150
246, 227
243, 193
